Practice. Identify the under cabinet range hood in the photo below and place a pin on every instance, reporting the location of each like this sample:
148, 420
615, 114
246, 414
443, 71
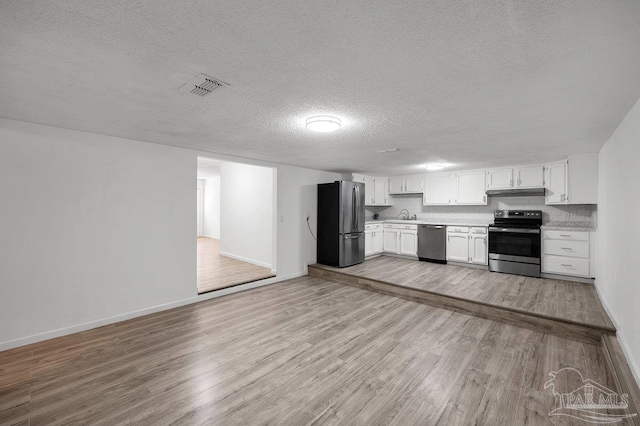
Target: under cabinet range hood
525, 192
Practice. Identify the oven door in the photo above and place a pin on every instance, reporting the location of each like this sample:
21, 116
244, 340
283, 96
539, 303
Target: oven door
514, 244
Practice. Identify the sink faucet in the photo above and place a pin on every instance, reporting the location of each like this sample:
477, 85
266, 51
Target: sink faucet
403, 215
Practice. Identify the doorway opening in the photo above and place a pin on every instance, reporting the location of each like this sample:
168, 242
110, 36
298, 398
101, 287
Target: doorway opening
236, 224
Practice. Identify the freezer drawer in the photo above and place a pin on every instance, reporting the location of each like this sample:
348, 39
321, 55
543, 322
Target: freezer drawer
351, 250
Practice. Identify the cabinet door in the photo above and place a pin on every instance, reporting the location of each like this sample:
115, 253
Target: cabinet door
380, 194
557, 183
369, 192
390, 241
358, 178
458, 247
413, 184
500, 179
377, 242
396, 185
478, 249
470, 188
368, 243
409, 243
530, 177
437, 190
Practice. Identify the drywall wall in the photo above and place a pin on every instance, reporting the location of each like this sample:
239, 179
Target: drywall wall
212, 207
246, 213
618, 232
96, 229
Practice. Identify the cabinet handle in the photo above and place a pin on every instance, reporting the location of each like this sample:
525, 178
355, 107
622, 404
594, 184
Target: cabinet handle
484, 198
566, 248
566, 266
565, 235
485, 240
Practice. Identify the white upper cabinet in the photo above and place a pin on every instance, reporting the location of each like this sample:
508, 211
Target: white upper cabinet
529, 177
380, 192
414, 184
556, 177
375, 190
500, 178
516, 177
437, 189
396, 184
470, 188
406, 184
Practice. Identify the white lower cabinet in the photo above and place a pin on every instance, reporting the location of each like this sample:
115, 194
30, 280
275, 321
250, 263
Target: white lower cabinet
458, 245
400, 239
478, 249
567, 253
409, 242
467, 244
372, 239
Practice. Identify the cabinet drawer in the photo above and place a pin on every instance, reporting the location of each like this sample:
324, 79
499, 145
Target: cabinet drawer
478, 230
373, 226
565, 266
400, 226
458, 229
566, 235
566, 248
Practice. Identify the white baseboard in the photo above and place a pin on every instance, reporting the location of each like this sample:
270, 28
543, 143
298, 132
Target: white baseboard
39, 337
244, 259
635, 370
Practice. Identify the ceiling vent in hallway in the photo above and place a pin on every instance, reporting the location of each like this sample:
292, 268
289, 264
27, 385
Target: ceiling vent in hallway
202, 85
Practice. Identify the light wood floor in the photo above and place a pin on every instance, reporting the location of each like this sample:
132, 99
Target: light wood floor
216, 271
566, 300
305, 351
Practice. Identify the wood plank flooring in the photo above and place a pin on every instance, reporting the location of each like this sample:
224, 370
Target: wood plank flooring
566, 300
305, 351
216, 271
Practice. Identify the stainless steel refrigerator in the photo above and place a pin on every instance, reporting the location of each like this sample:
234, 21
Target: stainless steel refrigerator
341, 223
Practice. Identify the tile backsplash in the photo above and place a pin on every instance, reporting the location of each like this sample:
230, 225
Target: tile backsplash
551, 213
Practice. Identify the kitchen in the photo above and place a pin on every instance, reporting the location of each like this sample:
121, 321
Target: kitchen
464, 201
501, 242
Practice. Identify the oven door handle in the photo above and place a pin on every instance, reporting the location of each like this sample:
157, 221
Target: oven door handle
515, 230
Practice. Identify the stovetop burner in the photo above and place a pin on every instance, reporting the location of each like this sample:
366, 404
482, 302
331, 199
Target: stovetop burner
517, 218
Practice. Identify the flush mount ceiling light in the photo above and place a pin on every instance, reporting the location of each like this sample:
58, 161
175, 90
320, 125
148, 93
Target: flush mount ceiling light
323, 123
435, 166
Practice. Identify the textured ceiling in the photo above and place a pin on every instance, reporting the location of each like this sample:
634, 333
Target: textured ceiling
467, 82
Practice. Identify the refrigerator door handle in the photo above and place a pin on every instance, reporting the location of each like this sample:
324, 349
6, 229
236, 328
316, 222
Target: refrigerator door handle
354, 201
351, 237
357, 208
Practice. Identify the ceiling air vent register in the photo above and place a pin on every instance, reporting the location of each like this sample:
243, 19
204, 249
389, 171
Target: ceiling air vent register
202, 85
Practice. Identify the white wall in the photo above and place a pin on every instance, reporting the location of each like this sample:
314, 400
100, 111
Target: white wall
618, 235
212, 207
246, 213
96, 229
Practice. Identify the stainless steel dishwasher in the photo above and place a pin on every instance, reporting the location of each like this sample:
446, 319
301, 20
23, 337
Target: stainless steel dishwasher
432, 243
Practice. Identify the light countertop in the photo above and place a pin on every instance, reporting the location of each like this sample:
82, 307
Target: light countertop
569, 226
559, 226
447, 222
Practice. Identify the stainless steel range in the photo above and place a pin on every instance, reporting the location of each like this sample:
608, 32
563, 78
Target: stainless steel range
514, 242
